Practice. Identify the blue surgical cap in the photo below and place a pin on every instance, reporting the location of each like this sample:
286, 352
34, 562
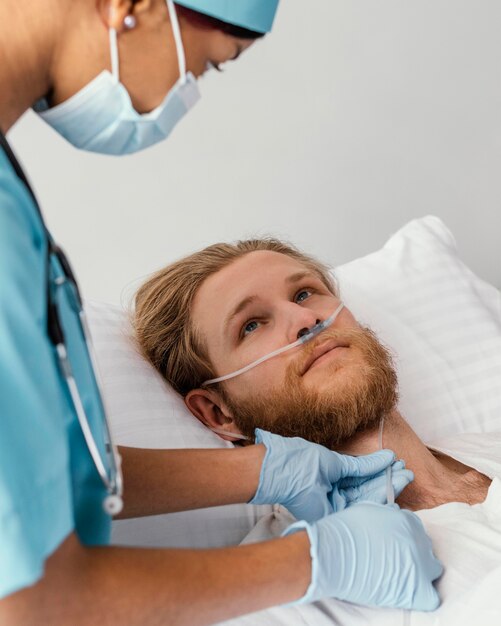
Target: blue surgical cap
257, 15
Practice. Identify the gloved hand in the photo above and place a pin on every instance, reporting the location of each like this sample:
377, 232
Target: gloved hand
372, 555
312, 481
349, 491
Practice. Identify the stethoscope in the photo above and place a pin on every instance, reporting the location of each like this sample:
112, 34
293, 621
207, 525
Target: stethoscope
112, 478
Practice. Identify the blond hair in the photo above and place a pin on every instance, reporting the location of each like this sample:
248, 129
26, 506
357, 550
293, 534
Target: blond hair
162, 317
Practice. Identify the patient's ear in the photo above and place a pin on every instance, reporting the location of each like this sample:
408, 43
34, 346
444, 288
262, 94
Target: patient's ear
207, 406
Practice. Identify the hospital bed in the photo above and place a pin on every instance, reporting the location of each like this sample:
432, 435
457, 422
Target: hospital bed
443, 325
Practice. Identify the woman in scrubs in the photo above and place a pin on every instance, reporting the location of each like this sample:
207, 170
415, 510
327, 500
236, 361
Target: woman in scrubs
114, 77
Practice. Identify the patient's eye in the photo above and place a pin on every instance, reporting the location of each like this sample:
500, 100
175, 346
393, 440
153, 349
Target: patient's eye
249, 327
302, 295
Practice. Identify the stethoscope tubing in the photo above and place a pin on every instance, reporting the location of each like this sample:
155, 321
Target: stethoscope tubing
113, 481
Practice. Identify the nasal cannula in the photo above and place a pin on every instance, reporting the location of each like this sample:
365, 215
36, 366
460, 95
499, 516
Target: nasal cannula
313, 332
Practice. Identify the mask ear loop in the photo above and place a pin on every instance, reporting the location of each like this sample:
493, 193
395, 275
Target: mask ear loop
115, 65
313, 332
181, 60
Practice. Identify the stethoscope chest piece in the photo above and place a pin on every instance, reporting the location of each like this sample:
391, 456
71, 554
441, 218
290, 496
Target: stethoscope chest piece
113, 504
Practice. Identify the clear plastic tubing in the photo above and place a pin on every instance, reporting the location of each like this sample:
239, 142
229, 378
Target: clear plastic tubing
390, 492
313, 332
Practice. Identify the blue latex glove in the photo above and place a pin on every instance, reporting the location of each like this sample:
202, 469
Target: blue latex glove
350, 491
373, 555
312, 481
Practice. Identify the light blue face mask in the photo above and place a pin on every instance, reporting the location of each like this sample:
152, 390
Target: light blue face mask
101, 117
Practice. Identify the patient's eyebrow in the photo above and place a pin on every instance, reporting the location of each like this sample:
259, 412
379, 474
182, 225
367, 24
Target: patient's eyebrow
243, 304
294, 278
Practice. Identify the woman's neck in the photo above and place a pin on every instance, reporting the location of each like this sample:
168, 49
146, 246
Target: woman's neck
437, 478
28, 34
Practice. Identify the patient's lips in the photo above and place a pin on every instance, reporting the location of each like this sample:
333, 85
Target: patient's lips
323, 352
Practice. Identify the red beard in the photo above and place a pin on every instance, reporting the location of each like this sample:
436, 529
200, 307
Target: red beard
357, 389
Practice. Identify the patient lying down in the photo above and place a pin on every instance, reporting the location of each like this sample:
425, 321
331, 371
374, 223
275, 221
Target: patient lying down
224, 307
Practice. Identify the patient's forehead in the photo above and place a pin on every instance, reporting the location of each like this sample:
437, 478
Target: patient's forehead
261, 273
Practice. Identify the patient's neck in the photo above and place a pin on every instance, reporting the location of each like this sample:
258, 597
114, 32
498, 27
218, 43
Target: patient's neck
437, 478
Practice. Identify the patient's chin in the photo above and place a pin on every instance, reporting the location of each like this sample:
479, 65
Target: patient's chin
341, 399
329, 418
329, 379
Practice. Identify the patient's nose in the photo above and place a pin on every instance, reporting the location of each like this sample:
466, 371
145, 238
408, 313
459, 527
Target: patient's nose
297, 320
305, 331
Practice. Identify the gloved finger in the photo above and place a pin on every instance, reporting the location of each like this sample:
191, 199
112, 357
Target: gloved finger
400, 480
367, 465
338, 500
432, 565
426, 597
438, 569
355, 481
372, 490
261, 436
376, 489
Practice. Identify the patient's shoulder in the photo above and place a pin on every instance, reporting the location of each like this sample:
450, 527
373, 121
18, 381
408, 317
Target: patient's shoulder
478, 451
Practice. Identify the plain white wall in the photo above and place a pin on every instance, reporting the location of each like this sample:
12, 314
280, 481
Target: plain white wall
351, 118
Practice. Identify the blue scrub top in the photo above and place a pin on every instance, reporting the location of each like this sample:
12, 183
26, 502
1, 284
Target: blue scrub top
49, 485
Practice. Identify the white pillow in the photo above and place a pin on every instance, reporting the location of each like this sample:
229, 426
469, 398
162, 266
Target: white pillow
145, 412
442, 322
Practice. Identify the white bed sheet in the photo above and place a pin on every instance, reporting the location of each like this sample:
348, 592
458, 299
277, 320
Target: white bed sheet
467, 539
